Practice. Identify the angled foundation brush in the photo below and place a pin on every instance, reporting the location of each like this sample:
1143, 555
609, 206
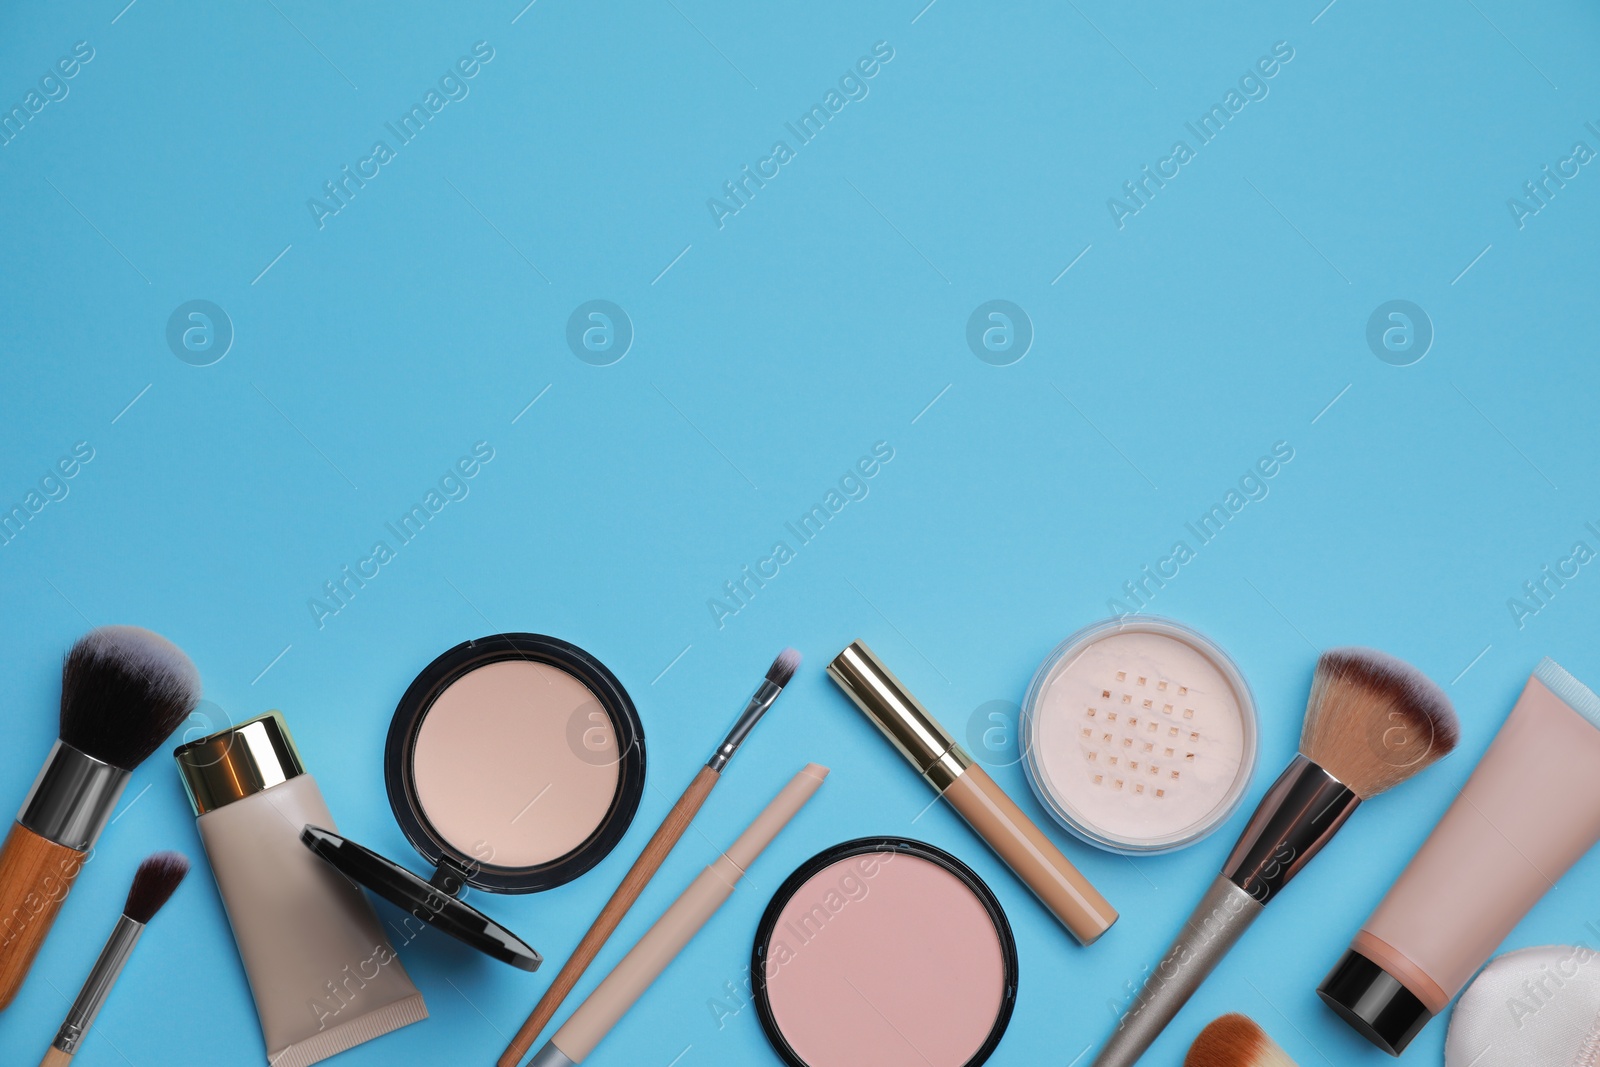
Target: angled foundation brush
153, 885
1371, 722
123, 690
1235, 1041
655, 853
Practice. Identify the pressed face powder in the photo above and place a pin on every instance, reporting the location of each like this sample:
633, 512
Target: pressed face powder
885, 952
1140, 735
515, 763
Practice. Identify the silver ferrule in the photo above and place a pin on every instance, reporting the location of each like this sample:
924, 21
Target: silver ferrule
550, 1056
98, 985
765, 694
1300, 813
73, 797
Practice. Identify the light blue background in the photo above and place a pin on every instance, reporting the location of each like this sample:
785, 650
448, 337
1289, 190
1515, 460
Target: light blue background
774, 352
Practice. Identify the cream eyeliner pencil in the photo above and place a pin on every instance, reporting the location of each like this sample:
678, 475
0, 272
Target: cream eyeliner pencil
649, 862
661, 944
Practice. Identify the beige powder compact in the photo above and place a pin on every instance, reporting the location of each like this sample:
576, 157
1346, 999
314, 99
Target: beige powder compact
514, 764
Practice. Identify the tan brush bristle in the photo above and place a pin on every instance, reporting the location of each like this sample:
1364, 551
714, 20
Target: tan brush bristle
1373, 721
1235, 1041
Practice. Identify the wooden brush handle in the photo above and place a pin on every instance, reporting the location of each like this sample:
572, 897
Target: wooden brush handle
644, 868
35, 876
55, 1058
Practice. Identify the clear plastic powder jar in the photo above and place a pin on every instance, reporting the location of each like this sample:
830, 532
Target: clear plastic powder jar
1139, 735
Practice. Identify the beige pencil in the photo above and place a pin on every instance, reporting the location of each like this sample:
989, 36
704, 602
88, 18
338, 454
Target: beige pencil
655, 853
613, 997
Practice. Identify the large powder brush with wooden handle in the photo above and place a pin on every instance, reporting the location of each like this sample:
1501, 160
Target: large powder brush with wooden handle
123, 691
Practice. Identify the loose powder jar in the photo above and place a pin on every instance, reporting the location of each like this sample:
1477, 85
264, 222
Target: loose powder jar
1139, 735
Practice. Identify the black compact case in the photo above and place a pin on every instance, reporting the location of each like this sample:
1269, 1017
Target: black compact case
435, 900
862, 846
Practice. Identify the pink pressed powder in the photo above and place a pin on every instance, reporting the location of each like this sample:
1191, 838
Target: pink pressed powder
515, 764
888, 957
1140, 735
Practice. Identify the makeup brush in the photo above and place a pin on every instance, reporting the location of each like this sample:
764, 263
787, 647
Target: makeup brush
123, 690
153, 885
620, 990
1235, 1041
1372, 721
655, 853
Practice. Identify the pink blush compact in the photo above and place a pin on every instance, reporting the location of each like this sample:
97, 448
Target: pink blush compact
884, 951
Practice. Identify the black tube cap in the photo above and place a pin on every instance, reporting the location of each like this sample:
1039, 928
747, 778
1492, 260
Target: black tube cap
1374, 1003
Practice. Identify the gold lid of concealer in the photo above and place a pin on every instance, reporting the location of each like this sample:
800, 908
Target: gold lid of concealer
903, 720
238, 762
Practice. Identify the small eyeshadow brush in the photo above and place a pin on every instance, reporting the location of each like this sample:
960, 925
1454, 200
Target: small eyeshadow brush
153, 885
123, 690
655, 853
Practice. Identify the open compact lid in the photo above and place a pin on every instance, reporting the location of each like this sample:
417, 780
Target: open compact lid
432, 902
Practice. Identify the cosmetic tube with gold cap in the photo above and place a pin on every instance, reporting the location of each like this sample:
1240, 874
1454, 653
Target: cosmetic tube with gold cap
969, 789
323, 972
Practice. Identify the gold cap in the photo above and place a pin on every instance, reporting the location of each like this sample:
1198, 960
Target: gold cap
903, 720
238, 762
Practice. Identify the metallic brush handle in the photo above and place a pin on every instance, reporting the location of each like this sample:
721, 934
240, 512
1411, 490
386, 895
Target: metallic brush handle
1299, 815
92, 997
1223, 915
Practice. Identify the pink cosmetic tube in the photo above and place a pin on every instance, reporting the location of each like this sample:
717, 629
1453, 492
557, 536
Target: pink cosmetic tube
1529, 812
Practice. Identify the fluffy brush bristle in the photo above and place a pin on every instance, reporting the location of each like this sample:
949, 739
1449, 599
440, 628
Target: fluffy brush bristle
153, 885
1235, 1041
783, 668
123, 690
1373, 721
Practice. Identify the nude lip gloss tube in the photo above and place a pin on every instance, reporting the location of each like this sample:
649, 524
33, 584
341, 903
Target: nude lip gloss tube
975, 796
